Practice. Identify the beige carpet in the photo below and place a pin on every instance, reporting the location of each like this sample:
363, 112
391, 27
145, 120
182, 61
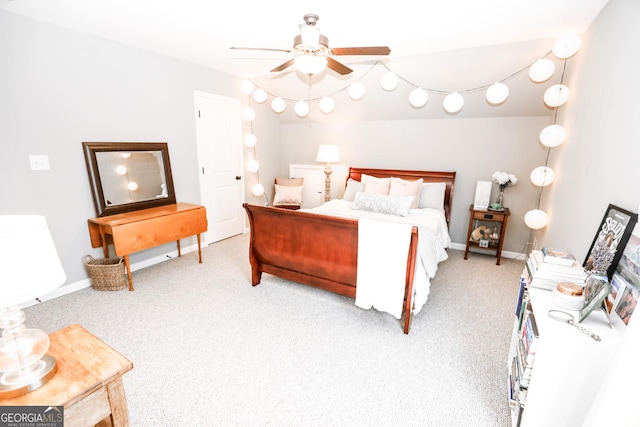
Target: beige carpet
209, 349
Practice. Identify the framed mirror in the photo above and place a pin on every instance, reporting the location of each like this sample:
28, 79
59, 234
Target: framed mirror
128, 176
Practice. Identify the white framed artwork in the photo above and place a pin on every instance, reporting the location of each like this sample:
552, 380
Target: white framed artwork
483, 194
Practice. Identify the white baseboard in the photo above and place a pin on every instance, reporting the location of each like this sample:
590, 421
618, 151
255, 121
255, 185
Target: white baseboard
85, 283
505, 254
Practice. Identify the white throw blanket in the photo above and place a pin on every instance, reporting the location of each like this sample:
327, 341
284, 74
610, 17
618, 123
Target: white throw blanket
433, 238
382, 263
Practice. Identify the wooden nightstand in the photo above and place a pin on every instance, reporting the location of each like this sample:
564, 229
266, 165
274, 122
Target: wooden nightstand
496, 226
88, 382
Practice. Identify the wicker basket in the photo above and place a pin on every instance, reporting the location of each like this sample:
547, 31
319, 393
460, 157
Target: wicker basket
107, 274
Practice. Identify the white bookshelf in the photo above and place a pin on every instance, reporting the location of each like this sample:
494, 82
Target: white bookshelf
569, 367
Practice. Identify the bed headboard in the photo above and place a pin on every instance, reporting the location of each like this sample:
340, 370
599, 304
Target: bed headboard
448, 178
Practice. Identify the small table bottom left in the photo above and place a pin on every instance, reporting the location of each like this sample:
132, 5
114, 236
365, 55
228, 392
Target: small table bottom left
88, 382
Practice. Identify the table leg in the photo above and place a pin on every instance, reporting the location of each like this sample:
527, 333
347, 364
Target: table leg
128, 266
199, 249
118, 403
178, 244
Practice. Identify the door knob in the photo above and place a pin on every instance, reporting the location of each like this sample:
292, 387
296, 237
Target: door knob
238, 177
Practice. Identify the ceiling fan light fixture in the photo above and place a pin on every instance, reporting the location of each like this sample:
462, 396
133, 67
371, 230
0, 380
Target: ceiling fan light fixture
310, 36
310, 64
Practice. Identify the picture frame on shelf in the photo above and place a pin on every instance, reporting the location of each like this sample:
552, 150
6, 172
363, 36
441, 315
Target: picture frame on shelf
483, 195
616, 227
625, 285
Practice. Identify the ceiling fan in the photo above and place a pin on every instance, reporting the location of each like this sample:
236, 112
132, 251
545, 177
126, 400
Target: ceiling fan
312, 52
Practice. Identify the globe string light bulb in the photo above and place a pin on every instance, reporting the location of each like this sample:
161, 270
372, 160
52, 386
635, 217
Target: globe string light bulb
250, 140
542, 176
327, 104
253, 166
248, 114
257, 190
418, 98
497, 93
536, 219
246, 87
356, 91
389, 81
542, 70
278, 105
259, 95
553, 135
453, 102
301, 109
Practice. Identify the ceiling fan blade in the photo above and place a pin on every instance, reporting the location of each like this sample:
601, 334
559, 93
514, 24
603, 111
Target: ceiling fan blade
371, 50
338, 67
284, 66
261, 48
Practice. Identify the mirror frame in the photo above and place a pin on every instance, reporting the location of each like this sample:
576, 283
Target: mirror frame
102, 209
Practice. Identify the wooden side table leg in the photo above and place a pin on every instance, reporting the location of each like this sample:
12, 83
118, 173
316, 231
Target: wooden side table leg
118, 404
199, 249
128, 266
178, 245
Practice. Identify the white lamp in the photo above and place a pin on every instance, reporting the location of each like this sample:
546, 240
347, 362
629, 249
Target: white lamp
24, 364
328, 154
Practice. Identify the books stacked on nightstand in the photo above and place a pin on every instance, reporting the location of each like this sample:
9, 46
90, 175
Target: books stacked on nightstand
546, 268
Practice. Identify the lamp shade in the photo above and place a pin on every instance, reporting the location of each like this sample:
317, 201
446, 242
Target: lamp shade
26, 238
328, 153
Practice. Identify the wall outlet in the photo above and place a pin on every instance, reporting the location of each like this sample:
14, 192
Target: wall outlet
39, 163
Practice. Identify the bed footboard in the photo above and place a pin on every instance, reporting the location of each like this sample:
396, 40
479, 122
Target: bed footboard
315, 250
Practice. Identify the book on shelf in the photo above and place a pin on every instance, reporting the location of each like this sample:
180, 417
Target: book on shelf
558, 256
545, 275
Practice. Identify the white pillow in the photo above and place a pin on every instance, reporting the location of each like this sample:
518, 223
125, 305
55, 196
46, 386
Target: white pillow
353, 187
383, 203
402, 187
432, 195
373, 185
288, 195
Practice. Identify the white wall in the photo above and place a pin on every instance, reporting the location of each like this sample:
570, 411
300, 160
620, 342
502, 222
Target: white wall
475, 148
598, 164
59, 88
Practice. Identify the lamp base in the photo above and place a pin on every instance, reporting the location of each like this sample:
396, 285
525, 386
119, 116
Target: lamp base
44, 371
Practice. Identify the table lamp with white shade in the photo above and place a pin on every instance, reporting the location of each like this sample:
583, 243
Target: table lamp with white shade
30, 269
328, 153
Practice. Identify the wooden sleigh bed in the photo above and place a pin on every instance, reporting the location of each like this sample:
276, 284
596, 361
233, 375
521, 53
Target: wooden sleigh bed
322, 250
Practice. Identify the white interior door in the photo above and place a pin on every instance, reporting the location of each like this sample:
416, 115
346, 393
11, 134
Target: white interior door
219, 134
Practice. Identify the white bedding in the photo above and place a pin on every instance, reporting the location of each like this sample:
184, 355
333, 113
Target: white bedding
433, 238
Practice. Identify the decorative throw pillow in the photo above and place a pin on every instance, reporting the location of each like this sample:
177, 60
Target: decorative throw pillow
353, 187
432, 195
402, 187
383, 203
373, 185
289, 181
288, 195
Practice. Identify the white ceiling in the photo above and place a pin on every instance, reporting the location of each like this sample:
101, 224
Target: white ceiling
431, 41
